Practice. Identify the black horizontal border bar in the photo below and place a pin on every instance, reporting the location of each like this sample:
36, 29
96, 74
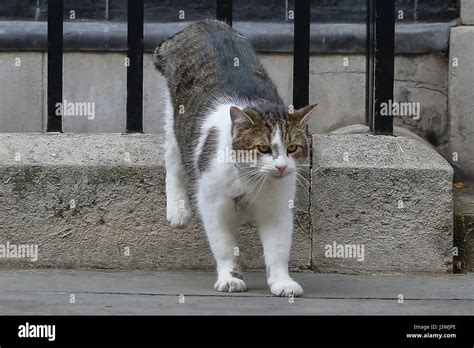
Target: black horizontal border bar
265, 37
135, 330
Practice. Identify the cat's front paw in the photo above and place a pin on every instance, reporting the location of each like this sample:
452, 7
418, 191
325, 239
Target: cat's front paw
230, 284
286, 288
178, 217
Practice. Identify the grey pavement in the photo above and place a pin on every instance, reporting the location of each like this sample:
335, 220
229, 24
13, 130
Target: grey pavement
48, 292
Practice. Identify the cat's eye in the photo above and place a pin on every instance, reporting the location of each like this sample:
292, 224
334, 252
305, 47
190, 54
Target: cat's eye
292, 148
264, 148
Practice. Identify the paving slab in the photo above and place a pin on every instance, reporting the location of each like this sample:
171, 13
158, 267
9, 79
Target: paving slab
47, 292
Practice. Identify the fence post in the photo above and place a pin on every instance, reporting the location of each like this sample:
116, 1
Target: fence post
224, 11
135, 67
55, 64
301, 53
380, 63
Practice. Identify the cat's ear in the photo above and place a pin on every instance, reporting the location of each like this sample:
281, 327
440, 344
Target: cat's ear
302, 115
238, 116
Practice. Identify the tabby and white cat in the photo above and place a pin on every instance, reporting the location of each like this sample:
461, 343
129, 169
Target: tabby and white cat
223, 102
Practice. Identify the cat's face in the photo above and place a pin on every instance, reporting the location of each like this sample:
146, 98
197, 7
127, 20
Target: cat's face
274, 139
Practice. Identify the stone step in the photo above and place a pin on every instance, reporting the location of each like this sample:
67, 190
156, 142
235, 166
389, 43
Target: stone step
391, 196
98, 201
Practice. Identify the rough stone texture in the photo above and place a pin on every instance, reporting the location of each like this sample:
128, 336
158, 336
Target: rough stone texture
117, 184
461, 100
467, 12
358, 182
397, 131
22, 91
464, 228
96, 78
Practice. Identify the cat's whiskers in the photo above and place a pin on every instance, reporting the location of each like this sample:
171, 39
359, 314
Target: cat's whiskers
251, 180
246, 173
248, 177
300, 176
264, 178
302, 185
249, 192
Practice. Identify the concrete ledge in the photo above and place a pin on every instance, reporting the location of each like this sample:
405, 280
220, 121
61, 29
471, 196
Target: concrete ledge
99, 201
265, 37
392, 195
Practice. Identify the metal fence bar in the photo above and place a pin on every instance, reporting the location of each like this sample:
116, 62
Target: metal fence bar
135, 66
301, 53
55, 64
380, 63
224, 11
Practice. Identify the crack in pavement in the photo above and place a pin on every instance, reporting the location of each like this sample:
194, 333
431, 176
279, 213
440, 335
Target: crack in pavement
233, 295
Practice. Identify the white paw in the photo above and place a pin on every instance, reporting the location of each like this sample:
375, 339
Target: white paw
230, 284
286, 288
178, 215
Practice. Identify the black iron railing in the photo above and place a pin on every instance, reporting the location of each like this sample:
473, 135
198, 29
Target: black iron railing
135, 66
380, 63
301, 41
55, 64
224, 11
380, 60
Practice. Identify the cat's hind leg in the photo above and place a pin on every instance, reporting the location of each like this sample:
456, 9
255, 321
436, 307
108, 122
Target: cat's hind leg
178, 210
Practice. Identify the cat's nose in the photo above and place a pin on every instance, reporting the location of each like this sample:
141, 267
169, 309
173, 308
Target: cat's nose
281, 168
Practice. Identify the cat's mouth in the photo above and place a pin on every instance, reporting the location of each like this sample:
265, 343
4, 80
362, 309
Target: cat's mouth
280, 175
